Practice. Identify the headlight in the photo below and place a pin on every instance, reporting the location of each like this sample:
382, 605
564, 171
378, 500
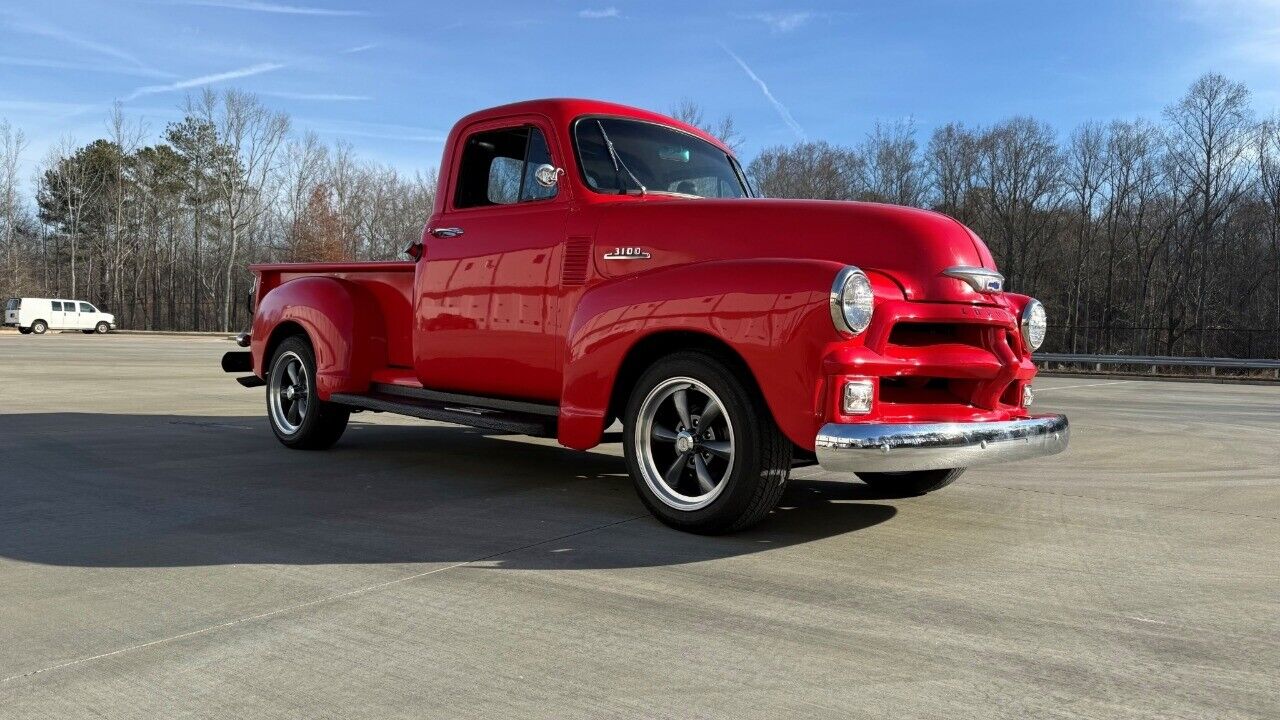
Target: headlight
852, 301
1034, 325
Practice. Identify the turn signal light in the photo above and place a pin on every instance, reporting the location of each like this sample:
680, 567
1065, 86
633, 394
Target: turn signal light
857, 397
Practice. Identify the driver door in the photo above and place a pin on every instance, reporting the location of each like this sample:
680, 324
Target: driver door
488, 277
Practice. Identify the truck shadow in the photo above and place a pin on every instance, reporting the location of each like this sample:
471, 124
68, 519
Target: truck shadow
96, 490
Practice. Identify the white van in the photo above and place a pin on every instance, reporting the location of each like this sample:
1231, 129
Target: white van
38, 315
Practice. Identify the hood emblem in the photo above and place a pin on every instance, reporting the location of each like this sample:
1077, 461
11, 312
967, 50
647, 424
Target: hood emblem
627, 253
982, 280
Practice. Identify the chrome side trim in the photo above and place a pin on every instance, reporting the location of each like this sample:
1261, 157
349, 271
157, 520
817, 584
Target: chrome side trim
886, 447
988, 282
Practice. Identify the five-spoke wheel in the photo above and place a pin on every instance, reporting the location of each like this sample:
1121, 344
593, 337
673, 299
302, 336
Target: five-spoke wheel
298, 417
685, 442
288, 392
702, 448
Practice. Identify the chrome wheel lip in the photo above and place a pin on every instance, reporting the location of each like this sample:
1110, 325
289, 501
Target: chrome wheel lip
643, 439
284, 392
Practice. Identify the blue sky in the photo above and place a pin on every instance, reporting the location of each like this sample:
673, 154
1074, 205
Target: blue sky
391, 77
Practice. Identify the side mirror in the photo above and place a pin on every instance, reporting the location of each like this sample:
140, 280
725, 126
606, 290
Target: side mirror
414, 250
548, 176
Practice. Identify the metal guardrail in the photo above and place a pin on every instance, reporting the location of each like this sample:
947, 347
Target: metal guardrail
1158, 361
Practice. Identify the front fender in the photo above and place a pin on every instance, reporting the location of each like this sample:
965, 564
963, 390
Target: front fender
343, 322
773, 312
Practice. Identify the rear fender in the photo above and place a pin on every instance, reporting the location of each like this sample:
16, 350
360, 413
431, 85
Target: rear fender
774, 313
341, 319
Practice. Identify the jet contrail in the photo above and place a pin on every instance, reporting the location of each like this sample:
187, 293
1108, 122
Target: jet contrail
783, 112
204, 80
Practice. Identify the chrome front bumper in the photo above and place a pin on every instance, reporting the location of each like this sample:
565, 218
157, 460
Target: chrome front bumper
935, 446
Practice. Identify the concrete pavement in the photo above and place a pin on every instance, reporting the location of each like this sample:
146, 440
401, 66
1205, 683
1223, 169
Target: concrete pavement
162, 556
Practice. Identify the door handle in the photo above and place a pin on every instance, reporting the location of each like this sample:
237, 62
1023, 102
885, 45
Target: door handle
446, 232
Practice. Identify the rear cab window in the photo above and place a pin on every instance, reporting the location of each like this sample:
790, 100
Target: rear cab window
57, 305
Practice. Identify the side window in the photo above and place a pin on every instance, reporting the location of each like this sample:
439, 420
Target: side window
539, 154
87, 308
57, 306
497, 168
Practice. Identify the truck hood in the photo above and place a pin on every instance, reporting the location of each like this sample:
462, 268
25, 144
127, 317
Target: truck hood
913, 247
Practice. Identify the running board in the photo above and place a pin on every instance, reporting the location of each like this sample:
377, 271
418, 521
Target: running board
519, 423
522, 407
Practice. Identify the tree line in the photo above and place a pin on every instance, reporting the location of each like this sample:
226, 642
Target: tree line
160, 233
1145, 236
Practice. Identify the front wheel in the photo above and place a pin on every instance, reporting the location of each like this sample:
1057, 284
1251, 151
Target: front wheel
702, 448
298, 417
101, 328
910, 484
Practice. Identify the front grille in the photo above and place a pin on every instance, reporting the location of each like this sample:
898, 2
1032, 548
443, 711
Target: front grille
968, 364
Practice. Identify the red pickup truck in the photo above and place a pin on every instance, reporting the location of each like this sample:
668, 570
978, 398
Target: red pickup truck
588, 263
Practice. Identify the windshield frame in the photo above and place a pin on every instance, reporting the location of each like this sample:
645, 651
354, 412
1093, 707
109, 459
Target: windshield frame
747, 190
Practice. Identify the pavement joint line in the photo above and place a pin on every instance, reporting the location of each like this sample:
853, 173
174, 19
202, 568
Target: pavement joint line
1073, 387
1127, 502
311, 603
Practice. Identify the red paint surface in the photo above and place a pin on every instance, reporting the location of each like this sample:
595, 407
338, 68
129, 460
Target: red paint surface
491, 312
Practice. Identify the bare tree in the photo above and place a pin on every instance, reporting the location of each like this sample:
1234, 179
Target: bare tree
12, 144
251, 136
889, 167
689, 112
1209, 134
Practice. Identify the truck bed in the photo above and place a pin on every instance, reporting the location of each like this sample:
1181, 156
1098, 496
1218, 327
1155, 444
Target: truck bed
390, 283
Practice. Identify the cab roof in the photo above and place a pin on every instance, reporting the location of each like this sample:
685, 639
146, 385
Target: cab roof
562, 111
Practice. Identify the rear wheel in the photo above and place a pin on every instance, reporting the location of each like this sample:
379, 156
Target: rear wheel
102, 328
298, 417
39, 327
910, 484
702, 448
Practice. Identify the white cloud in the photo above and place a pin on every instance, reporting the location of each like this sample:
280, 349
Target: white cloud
268, 7
781, 109
780, 22
51, 32
204, 80
360, 48
15, 61
600, 14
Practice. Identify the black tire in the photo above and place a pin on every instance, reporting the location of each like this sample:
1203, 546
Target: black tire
24, 331
87, 332
910, 484
39, 327
319, 424
751, 479
102, 328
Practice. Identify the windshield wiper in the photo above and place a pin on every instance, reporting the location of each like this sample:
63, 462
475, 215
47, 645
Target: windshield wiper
618, 165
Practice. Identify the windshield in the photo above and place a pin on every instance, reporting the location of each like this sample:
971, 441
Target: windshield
647, 157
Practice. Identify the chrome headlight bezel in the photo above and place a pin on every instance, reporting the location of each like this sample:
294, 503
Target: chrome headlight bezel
1034, 319
851, 293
